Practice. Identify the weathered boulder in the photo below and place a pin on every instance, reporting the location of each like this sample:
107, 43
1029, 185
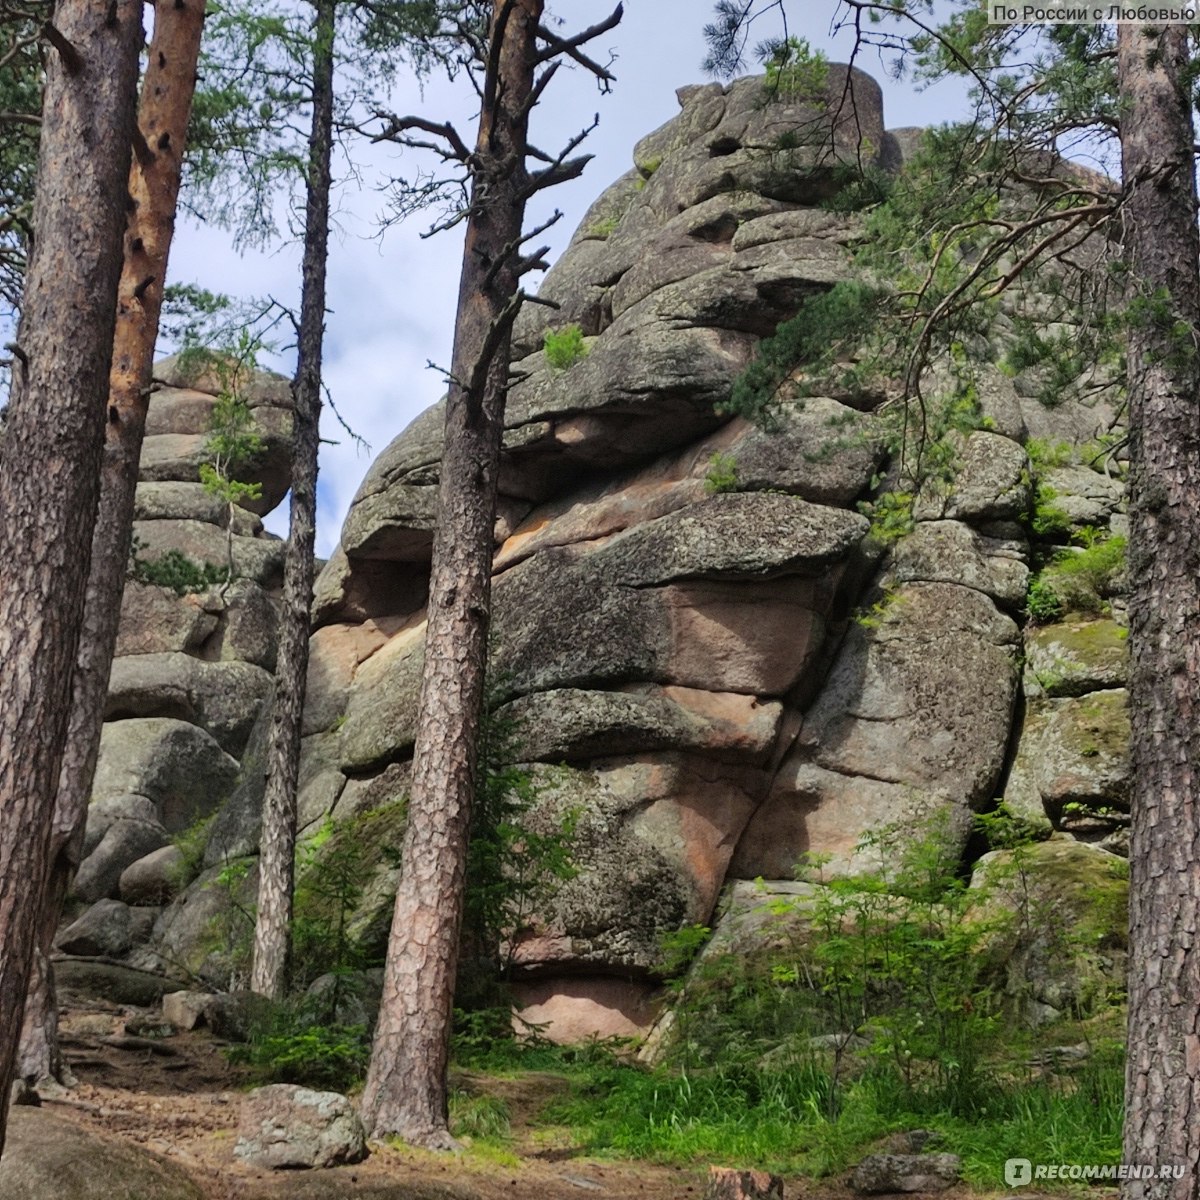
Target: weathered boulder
627, 891
123, 843
1064, 944
175, 500
574, 1009
109, 928
335, 652
205, 929
1076, 656
1073, 758
47, 1157
817, 448
105, 812
238, 822
154, 620
921, 694
953, 552
156, 878
180, 417
887, 1174
1087, 497
571, 723
249, 627
257, 558
222, 698
186, 1010
92, 979
991, 483
176, 765
285, 1126
381, 707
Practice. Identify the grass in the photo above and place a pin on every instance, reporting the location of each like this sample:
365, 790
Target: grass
780, 1120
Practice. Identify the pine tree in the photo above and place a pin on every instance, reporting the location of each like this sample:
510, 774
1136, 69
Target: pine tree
53, 444
406, 1091
154, 179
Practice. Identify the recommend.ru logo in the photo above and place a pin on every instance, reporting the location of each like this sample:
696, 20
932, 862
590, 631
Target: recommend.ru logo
1019, 1172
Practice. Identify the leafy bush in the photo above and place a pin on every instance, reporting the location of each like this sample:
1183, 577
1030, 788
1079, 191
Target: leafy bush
1042, 602
1048, 520
564, 347
796, 70
1045, 453
1079, 579
173, 569
722, 474
288, 1043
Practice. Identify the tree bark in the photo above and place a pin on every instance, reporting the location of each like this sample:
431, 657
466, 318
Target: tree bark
154, 177
1162, 1122
53, 444
272, 931
406, 1084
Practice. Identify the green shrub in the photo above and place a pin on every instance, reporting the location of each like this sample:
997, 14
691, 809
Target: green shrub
1079, 579
176, 571
564, 347
1048, 519
796, 70
722, 474
289, 1043
1045, 453
1042, 602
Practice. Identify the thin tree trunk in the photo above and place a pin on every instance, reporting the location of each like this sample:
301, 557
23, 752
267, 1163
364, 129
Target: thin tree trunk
406, 1084
1162, 1122
272, 931
53, 444
154, 176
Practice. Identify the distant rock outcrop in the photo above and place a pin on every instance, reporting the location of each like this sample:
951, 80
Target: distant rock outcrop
192, 672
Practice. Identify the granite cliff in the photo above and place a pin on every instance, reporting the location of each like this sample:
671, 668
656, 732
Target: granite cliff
710, 661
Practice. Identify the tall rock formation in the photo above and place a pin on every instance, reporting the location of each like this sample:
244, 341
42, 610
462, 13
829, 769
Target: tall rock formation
712, 667
676, 593
193, 664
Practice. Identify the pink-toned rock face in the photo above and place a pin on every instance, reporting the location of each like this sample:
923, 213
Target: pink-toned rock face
335, 653
577, 1009
745, 637
816, 812
692, 812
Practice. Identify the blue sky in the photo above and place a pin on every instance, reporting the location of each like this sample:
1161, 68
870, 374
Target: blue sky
392, 301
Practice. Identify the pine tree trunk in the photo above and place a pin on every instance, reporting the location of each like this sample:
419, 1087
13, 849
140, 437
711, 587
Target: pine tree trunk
273, 926
154, 177
1162, 1123
406, 1085
53, 444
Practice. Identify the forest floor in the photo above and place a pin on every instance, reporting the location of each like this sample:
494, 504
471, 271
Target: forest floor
180, 1098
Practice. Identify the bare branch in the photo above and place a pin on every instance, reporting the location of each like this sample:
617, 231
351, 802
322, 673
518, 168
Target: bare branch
556, 46
396, 126
71, 60
561, 168
497, 332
